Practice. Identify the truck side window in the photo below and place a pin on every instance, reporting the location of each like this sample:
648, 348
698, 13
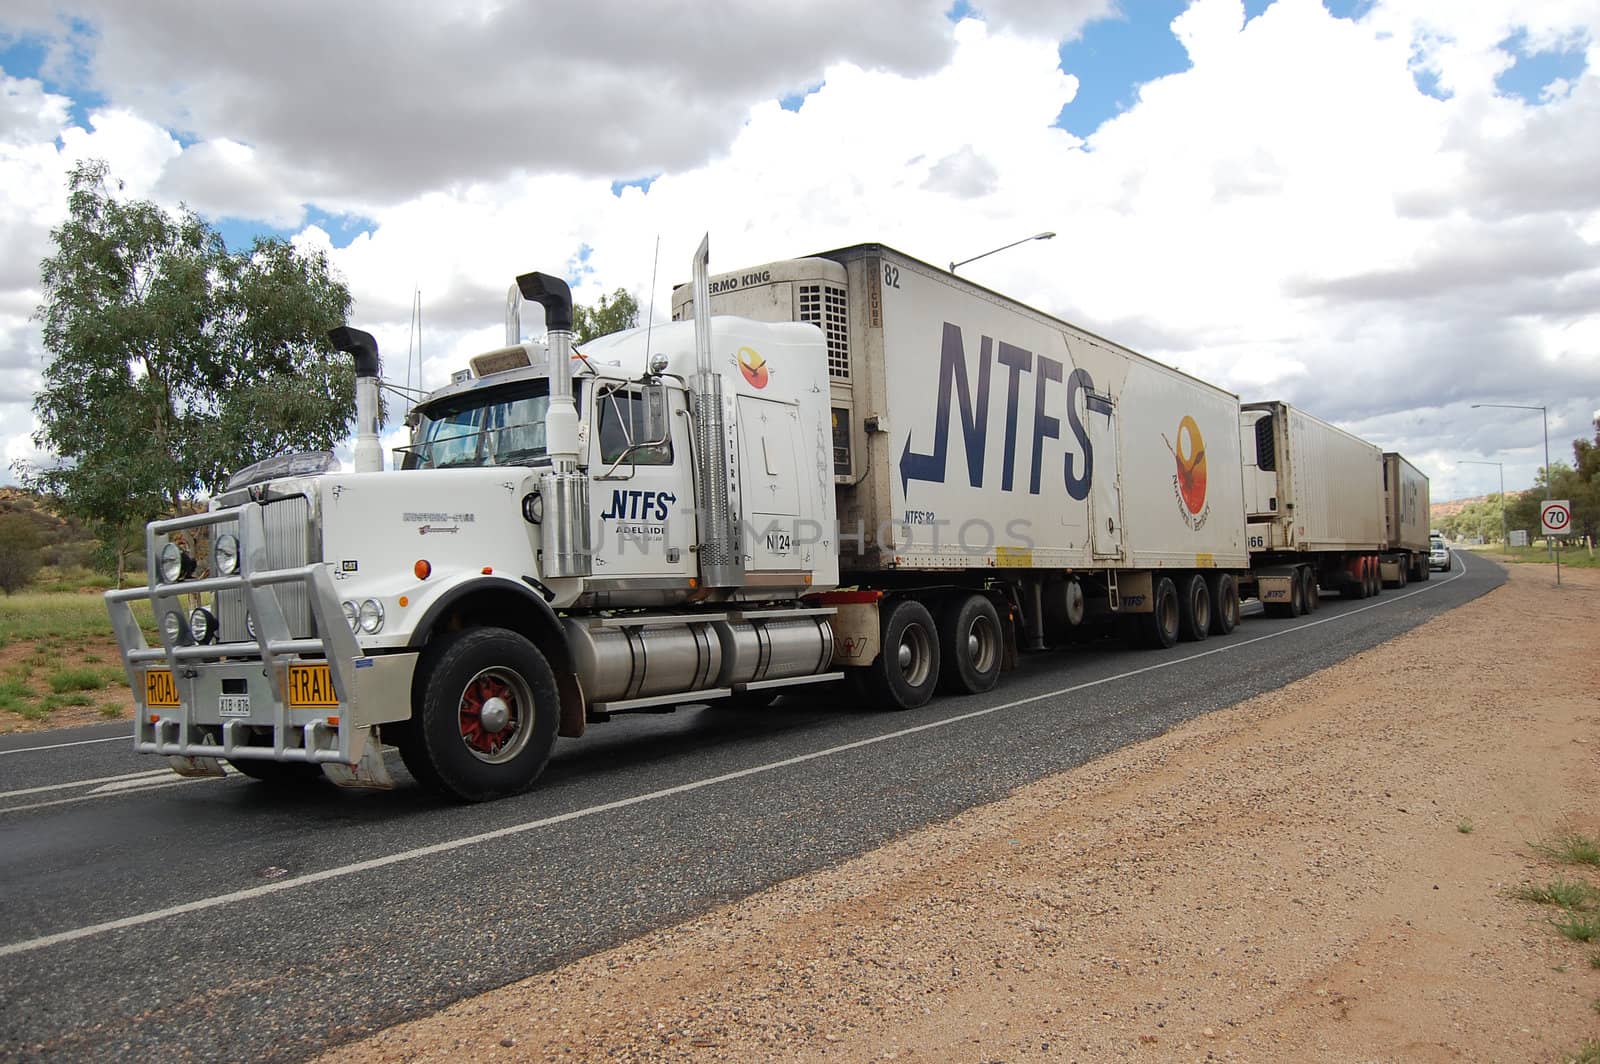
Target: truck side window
622, 423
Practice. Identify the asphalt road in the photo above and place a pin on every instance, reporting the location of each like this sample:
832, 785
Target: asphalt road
151, 916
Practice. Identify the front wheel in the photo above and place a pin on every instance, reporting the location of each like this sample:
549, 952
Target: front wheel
485, 712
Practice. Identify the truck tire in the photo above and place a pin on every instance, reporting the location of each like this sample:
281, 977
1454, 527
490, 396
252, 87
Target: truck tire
971, 646
1311, 595
1158, 629
1224, 603
907, 669
483, 715
279, 773
1194, 609
1374, 575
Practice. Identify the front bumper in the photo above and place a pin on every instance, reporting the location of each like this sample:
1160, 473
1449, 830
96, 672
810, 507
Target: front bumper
249, 700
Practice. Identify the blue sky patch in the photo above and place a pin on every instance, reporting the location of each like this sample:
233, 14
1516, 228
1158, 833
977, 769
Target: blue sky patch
1532, 71
642, 184
26, 56
1117, 55
342, 229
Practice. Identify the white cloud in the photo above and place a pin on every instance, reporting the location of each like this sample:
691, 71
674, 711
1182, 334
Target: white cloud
1291, 217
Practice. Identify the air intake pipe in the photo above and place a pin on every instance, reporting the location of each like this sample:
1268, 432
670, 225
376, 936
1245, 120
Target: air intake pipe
721, 562
565, 526
364, 349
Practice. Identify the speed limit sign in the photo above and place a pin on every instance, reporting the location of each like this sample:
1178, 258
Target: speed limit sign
1555, 516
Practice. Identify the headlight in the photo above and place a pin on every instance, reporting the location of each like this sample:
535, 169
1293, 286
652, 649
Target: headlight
226, 555
203, 625
250, 625
351, 614
172, 625
175, 564
371, 616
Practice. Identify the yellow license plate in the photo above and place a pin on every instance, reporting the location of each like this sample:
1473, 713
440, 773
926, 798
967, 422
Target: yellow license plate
311, 687
159, 690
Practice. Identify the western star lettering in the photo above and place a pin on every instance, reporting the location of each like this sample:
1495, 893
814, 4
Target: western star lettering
955, 382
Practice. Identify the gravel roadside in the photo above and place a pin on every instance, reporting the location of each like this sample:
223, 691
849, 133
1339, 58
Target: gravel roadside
1322, 873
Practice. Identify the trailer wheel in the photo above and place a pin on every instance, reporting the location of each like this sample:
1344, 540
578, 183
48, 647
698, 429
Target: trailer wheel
1194, 610
278, 773
484, 713
1159, 627
1308, 595
907, 669
1224, 603
971, 647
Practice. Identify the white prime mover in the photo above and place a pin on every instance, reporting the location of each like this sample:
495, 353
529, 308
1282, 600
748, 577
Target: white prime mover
877, 471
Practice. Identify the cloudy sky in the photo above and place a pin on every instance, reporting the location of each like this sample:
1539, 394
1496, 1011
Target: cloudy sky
1382, 210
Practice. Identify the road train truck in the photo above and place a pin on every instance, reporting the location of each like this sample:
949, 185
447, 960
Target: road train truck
860, 469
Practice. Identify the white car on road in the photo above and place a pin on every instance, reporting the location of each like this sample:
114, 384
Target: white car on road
1438, 554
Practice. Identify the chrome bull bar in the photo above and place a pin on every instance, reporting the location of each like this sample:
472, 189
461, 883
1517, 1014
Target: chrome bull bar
348, 751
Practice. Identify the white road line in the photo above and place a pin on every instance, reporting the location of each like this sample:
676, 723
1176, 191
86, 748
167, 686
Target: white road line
84, 783
81, 742
342, 871
156, 785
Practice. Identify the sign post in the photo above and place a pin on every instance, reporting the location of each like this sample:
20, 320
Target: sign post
1555, 519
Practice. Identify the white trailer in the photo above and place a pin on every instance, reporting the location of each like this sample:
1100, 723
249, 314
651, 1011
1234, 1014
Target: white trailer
981, 443
1315, 506
1406, 516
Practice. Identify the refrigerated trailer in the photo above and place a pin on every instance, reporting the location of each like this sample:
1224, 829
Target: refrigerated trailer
979, 443
1314, 504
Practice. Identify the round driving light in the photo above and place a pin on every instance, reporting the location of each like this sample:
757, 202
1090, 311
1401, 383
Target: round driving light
250, 625
371, 616
226, 554
172, 626
203, 625
171, 563
351, 614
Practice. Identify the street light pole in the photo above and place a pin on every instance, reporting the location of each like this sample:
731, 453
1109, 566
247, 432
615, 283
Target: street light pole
1544, 412
1014, 243
1505, 537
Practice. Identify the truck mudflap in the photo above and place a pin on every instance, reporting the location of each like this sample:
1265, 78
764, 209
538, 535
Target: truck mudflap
277, 698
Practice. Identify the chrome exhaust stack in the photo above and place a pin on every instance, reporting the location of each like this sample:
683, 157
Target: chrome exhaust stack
364, 349
565, 490
717, 509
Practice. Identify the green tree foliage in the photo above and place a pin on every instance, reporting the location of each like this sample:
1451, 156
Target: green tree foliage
1580, 485
613, 313
173, 360
19, 552
1478, 519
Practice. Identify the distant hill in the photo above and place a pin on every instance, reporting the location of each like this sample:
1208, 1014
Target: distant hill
65, 540
1450, 507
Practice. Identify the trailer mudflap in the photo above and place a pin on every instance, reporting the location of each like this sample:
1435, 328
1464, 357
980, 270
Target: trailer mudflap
196, 767
1275, 585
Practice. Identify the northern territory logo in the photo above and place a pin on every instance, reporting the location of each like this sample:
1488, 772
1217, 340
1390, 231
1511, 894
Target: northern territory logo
1189, 483
754, 367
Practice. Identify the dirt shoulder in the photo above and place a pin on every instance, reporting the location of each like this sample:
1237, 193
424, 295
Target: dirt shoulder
1322, 873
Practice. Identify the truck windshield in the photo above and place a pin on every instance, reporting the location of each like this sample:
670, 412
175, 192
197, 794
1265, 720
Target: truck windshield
500, 426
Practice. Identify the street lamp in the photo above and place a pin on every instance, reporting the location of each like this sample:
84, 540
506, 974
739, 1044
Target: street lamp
1014, 243
1544, 413
1505, 538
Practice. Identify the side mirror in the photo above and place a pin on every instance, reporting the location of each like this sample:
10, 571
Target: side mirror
656, 426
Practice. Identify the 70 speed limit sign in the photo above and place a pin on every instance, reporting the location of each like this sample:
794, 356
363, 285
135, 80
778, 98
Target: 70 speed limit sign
1555, 516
